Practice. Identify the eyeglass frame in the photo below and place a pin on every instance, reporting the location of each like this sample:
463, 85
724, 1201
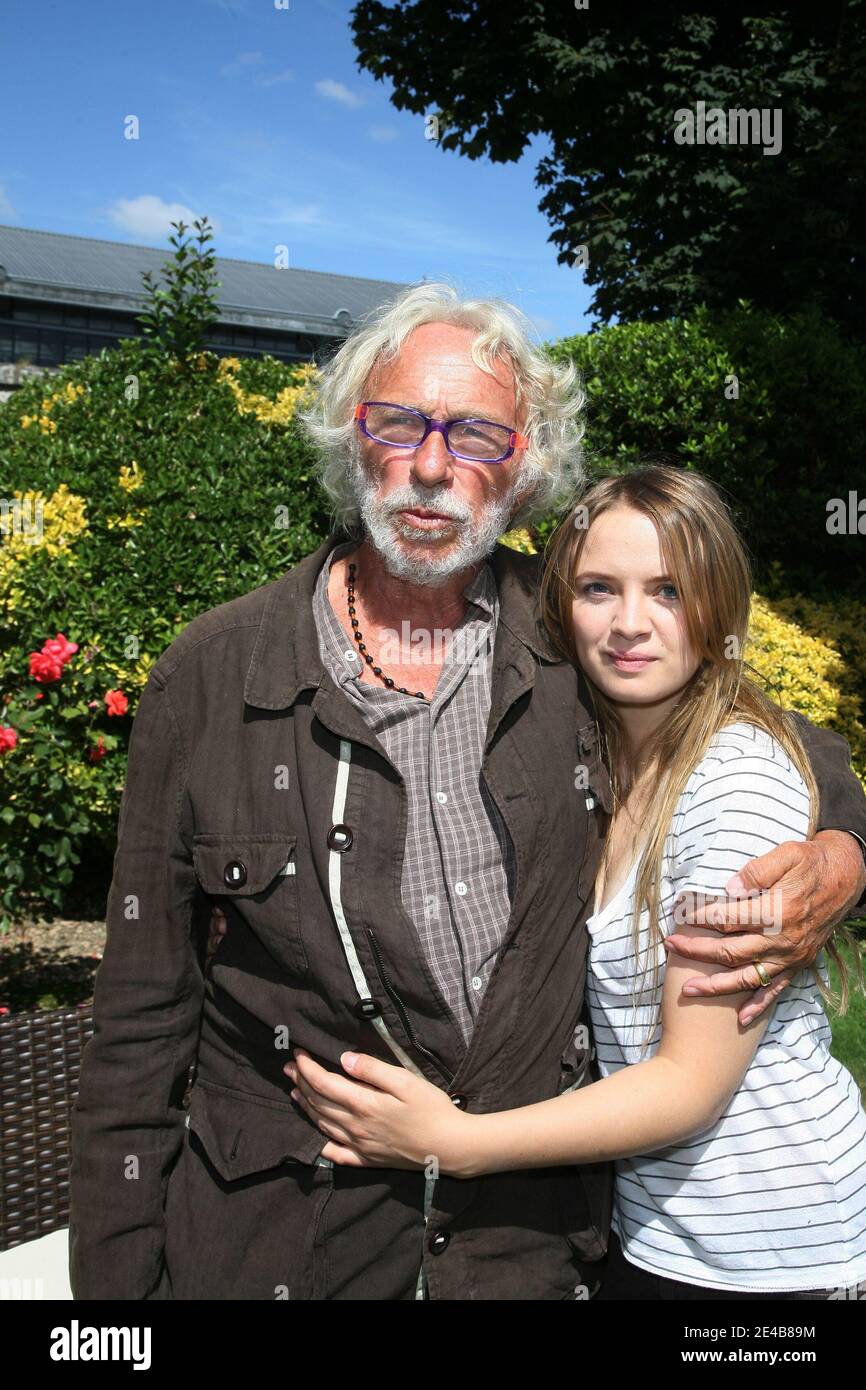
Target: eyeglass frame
516, 440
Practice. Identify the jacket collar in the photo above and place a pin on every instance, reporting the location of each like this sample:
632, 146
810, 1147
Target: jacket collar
286, 655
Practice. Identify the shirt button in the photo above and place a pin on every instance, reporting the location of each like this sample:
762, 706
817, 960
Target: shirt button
235, 874
439, 1242
476, 982
441, 797
339, 838
460, 888
460, 1101
350, 655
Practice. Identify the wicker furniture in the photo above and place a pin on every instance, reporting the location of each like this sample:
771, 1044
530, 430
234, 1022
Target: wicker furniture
40, 1056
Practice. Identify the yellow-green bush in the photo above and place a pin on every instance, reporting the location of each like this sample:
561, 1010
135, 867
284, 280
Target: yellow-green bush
813, 658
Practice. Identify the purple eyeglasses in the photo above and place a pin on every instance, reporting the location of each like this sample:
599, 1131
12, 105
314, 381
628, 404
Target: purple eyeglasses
480, 441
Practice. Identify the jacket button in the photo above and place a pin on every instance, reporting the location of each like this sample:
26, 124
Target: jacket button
459, 1101
235, 874
439, 1242
367, 1008
339, 838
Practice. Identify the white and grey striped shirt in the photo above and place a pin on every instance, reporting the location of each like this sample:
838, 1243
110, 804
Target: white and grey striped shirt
458, 863
773, 1196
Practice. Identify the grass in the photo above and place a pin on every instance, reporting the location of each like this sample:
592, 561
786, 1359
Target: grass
849, 1031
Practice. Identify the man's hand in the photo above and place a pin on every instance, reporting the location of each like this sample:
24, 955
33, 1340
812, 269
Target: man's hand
791, 898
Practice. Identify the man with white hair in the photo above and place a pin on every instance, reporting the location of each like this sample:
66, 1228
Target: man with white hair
369, 766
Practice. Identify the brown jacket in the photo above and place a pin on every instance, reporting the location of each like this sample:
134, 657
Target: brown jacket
252, 781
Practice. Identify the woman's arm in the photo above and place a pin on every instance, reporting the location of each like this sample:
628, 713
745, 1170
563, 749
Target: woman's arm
745, 796
393, 1119
681, 1091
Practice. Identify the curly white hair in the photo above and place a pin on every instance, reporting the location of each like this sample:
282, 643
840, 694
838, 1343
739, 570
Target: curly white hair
551, 470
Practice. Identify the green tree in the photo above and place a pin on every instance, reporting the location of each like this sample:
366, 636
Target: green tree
665, 225
180, 311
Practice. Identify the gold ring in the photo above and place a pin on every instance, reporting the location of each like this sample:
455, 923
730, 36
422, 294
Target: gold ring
762, 973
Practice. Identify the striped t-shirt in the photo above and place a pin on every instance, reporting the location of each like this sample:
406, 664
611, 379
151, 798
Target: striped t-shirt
773, 1196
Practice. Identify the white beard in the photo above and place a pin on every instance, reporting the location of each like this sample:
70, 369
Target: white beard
420, 561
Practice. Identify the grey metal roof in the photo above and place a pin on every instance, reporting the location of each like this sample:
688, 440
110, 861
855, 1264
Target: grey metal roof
89, 270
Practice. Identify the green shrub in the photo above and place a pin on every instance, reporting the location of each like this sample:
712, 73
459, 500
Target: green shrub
792, 439
165, 491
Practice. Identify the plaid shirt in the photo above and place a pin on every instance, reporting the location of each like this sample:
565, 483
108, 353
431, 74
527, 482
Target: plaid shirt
458, 862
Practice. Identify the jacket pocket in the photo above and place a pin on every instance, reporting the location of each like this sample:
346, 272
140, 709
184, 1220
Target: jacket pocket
254, 878
244, 1134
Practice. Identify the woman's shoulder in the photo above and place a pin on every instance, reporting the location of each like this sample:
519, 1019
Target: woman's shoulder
740, 754
744, 796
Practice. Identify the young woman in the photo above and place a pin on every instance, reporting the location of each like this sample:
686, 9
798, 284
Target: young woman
740, 1151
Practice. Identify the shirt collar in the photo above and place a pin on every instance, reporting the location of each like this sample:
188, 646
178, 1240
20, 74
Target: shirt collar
286, 657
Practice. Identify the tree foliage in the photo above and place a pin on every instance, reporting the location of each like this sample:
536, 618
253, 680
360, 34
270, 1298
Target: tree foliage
665, 225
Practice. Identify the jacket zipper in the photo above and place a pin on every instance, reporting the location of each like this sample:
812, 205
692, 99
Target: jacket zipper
401, 1009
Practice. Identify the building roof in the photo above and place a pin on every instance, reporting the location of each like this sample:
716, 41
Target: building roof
87, 270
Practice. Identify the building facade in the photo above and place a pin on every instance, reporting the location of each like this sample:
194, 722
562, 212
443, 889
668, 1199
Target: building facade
67, 297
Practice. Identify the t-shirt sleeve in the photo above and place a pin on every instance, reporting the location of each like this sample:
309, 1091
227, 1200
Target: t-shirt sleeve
744, 798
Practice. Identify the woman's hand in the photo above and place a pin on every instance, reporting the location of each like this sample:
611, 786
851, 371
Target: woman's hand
385, 1117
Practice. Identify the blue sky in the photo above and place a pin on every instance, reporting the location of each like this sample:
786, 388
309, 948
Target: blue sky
260, 118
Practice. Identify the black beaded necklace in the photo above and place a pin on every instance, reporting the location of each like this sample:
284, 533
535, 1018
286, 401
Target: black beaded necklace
377, 670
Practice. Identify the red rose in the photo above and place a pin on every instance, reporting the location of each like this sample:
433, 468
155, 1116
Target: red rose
116, 702
45, 667
60, 648
98, 751
8, 738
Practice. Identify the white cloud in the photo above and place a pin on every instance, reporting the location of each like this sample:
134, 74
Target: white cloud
246, 62
242, 63
336, 91
6, 208
150, 217
273, 79
307, 215
382, 133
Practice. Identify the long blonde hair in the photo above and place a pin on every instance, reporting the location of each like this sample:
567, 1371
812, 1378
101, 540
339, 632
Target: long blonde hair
706, 559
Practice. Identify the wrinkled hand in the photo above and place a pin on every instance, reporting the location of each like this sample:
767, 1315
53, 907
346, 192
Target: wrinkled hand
385, 1117
797, 893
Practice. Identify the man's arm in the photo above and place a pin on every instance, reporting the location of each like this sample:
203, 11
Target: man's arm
842, 804
127, 1123
807, 889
